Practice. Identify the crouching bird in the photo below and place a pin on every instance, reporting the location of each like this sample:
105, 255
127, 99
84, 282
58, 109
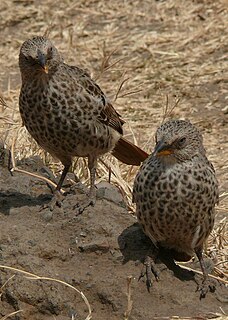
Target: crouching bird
175, 192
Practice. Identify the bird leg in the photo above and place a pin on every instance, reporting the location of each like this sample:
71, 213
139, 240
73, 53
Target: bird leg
9, 165
205, 285
149, 268
57, 196
92, 163
91, 200
63, 176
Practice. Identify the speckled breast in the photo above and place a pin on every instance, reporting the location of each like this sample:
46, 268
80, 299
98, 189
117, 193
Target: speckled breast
175, 203
61, 123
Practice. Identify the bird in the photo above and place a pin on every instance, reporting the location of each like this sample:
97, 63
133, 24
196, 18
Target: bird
175, 192
67, 113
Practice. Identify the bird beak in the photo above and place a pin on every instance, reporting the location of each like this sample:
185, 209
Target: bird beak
162, 149
42, 61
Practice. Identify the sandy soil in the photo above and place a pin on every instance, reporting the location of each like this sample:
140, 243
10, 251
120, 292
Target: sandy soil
95, 252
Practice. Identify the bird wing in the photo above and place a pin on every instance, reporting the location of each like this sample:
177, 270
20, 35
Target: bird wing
107, 115
111, 118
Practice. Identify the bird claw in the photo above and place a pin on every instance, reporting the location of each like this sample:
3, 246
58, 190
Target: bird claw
56, 201
80, 207
149, 269
205, 287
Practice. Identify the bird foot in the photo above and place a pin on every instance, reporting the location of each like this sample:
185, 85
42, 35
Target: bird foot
206, 284
80, 207
56, 201
205, 287
149, 268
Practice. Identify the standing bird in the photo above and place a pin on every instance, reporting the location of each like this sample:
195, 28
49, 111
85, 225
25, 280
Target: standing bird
67, 113
175, 192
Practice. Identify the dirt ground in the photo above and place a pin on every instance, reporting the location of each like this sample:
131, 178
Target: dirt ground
172, 52
96, 252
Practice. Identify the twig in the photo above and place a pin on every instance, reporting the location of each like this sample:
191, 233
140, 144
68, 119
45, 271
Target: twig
1, 289
32, 276
3, 103
15, 169
129, 299
120, 88
11, 314
166, 112
201, 273
129, 93
105, 62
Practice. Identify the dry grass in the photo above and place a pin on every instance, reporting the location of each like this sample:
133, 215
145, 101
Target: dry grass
129, 299
146, 55
11, 314
32, 276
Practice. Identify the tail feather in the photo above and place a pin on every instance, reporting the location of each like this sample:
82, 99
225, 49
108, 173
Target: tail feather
129, 153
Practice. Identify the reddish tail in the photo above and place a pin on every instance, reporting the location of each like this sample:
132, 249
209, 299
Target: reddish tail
128, 153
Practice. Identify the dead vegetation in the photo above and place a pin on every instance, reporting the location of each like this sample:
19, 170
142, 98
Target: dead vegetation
154, 59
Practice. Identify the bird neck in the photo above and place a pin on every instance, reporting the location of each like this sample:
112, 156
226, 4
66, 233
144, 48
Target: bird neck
31, 74
36, 73
168, 161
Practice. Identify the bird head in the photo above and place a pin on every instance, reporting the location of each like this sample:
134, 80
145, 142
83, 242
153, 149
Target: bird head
36, 54
178, 139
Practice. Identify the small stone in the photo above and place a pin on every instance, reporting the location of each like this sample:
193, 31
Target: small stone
94, 247
83, 234
48, 215
32, 243
225, 110
110, 192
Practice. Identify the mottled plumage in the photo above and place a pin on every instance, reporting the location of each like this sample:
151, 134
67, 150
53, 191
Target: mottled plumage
176, 190
66, 112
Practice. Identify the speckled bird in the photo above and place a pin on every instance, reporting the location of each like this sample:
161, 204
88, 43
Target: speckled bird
67, 113
176, 191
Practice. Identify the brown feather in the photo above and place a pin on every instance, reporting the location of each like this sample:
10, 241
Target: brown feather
111, 118
108, 115
128, 153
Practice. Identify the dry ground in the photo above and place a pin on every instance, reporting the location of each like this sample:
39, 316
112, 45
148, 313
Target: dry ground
166, 54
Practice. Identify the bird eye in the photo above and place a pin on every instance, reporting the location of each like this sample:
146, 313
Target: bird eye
182, 141
50, 53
